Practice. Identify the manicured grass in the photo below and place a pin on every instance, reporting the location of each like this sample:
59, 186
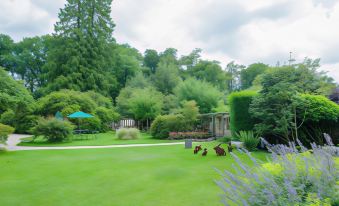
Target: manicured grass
143, 176
108, 138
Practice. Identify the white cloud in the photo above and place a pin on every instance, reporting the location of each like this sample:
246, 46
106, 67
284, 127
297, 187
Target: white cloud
244, 31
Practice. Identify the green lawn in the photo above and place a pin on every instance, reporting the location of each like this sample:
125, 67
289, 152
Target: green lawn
163, 175
108, 138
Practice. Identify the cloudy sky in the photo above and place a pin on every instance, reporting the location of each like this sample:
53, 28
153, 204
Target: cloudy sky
245, 31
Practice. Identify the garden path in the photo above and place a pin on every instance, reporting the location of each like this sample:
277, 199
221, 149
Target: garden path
14, 139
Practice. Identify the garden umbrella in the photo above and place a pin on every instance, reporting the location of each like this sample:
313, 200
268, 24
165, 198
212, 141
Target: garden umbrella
59, 116
80, 115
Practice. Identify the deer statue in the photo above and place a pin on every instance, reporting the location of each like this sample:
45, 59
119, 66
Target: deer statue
197, 149
204, 153
219, 150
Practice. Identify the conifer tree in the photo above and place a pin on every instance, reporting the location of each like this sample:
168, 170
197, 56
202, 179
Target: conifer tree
81, 59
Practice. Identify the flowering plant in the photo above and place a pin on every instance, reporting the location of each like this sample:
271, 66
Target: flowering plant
291, 177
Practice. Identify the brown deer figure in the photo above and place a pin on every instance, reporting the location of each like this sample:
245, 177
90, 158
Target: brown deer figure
204, 153
219, 150
197, 149
229, 147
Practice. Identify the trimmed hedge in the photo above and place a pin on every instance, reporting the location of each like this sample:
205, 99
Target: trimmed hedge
240, 118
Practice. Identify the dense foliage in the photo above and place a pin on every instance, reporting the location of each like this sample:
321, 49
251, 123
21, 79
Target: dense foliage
316, 115
5, 130
249, 74
204, 94
290, 178
68, 102
184, 119
16, 104
240, 118
53, 130
275, 108
163, 125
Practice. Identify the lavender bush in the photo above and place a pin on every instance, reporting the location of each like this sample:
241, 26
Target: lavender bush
290, 177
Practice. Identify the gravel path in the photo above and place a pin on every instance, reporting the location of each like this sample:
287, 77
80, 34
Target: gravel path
14, 139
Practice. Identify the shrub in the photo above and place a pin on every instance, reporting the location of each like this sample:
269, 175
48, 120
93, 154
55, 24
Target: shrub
250, 142
65, 99
163, 125
5, 130
290, 178
128, 133
240, 118
106, 116
93, 124
53, 130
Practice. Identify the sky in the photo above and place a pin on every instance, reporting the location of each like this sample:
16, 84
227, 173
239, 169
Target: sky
244, 31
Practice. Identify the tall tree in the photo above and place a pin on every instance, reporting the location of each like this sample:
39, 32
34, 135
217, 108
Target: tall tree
211, 72
6, 53
81, 58
248, 75
151, 59
233, 71
204, 94
190, 60
166, 78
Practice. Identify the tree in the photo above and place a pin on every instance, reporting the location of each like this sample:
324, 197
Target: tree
190, 112
126, 64
30, 56
204, 94
145, 104
274, 111
211, 72
248, 75
16, 103
190, 60
274, 107
6, 49
138, 81
233, 70
151, 59
81, 55
170, 54
167, 76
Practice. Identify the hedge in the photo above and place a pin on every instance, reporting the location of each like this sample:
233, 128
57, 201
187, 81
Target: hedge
240, 118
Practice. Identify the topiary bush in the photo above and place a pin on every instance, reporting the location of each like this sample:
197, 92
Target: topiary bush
53, 130
240, 118
128, 133
163, 125
5, 130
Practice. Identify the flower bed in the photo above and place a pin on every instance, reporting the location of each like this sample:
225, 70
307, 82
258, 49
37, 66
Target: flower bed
189, 135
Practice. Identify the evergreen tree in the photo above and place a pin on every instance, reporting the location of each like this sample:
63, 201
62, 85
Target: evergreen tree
81, 58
